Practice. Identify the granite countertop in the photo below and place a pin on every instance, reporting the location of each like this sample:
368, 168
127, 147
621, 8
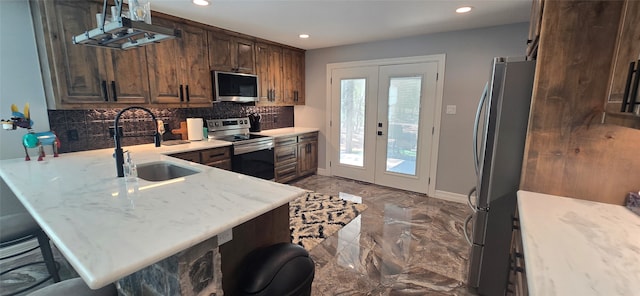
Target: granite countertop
578, 247
108, 229
287, 131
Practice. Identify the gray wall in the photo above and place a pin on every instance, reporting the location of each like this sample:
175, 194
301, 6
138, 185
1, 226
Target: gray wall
20, 82
468, 60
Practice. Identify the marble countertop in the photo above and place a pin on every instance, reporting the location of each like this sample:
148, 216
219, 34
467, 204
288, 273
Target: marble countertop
287, 131
108, 229
578, 247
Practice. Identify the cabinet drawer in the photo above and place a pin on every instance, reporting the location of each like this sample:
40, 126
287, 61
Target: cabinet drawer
193, 156
287, 172
286, 140
308, 137
221, 164
286, 154
217, 154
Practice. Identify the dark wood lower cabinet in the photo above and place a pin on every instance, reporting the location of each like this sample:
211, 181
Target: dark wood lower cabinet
517, 284
216, 157
296, 156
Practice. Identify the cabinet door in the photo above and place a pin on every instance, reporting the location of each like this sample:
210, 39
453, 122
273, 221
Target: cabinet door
196, 62
244, 55
269, 70
262, 70
230, 53
275, 74
128, 76
165, 72
220, 51
307, 154
627, 50
77, 71
293, 77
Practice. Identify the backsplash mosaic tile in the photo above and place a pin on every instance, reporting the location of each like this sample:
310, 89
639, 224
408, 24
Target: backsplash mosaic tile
80, 130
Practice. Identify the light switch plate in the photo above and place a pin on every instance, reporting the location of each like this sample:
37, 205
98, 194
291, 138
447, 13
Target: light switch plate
225, 236
451, 109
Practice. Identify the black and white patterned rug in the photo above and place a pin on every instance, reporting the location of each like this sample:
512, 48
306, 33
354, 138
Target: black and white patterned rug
315, 216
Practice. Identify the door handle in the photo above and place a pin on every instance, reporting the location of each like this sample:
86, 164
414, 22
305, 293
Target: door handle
181, 93
471, 205
464, 228
113, 88
476, 125
379, 133
187, 90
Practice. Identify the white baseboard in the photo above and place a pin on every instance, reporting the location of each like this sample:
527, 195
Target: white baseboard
450, 196
323, 172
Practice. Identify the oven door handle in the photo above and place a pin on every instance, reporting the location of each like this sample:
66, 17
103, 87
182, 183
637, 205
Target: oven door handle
252, 147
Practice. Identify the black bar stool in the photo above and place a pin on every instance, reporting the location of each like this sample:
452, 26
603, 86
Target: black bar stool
283, 269
18, 228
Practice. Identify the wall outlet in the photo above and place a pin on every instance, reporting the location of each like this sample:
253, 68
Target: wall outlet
120, 131
225, 236
72, 135
451, 109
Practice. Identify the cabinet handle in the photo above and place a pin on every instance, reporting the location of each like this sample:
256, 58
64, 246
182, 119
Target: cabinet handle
187, 89
627, 87
113, 89
181, 93
104, 91
634, 91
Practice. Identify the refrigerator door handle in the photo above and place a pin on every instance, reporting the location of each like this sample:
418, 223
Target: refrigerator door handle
476, 126
471, 205
464, 229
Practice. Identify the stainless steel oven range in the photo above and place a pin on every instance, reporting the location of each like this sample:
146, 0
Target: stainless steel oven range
251, 154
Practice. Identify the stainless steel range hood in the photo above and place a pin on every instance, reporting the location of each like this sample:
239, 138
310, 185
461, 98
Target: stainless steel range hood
123, 33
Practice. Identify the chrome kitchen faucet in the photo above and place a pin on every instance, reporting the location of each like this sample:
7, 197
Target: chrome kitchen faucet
116, 136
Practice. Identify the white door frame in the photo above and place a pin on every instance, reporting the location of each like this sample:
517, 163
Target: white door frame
440, 59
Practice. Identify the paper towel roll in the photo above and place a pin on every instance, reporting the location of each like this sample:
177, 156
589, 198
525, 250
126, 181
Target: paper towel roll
194, 129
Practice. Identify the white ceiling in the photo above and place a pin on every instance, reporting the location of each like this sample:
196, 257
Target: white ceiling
341, 22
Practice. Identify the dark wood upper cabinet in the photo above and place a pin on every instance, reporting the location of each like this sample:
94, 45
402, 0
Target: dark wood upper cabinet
180, 74
171, 73
82, 75
231, 53
269, 71
293, 77
627, 51
77, 72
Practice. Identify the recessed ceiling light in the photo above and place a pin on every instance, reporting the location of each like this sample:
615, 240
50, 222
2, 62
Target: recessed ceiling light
201, 2
464, 9
303, 36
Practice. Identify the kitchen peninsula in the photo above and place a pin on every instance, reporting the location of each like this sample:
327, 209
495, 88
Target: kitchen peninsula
110, 230
578, 247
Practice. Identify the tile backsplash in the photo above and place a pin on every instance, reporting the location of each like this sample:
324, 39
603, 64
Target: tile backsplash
80, 130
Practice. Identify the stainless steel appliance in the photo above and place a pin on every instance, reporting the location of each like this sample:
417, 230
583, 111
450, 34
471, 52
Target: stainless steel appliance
235, 87
499, 137
251, 154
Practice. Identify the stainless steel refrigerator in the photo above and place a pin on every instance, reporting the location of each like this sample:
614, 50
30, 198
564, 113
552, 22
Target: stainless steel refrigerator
499, 137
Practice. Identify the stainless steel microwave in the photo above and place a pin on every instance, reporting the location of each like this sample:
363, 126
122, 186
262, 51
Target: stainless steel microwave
234, 87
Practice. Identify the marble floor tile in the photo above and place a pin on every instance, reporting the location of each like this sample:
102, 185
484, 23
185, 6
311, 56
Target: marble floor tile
405, 243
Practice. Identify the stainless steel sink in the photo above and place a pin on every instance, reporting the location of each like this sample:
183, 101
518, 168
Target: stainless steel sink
162, 171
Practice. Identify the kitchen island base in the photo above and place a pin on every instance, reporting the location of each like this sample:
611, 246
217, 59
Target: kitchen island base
207, 268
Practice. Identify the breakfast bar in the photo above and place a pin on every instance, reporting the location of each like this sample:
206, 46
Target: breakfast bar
110, 229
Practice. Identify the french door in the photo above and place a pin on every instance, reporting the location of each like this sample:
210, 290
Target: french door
382, 123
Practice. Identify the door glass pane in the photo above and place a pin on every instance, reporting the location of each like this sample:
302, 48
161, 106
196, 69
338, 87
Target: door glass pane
352, 96
403, 118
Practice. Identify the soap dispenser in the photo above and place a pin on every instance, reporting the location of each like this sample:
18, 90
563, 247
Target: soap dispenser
130, 169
